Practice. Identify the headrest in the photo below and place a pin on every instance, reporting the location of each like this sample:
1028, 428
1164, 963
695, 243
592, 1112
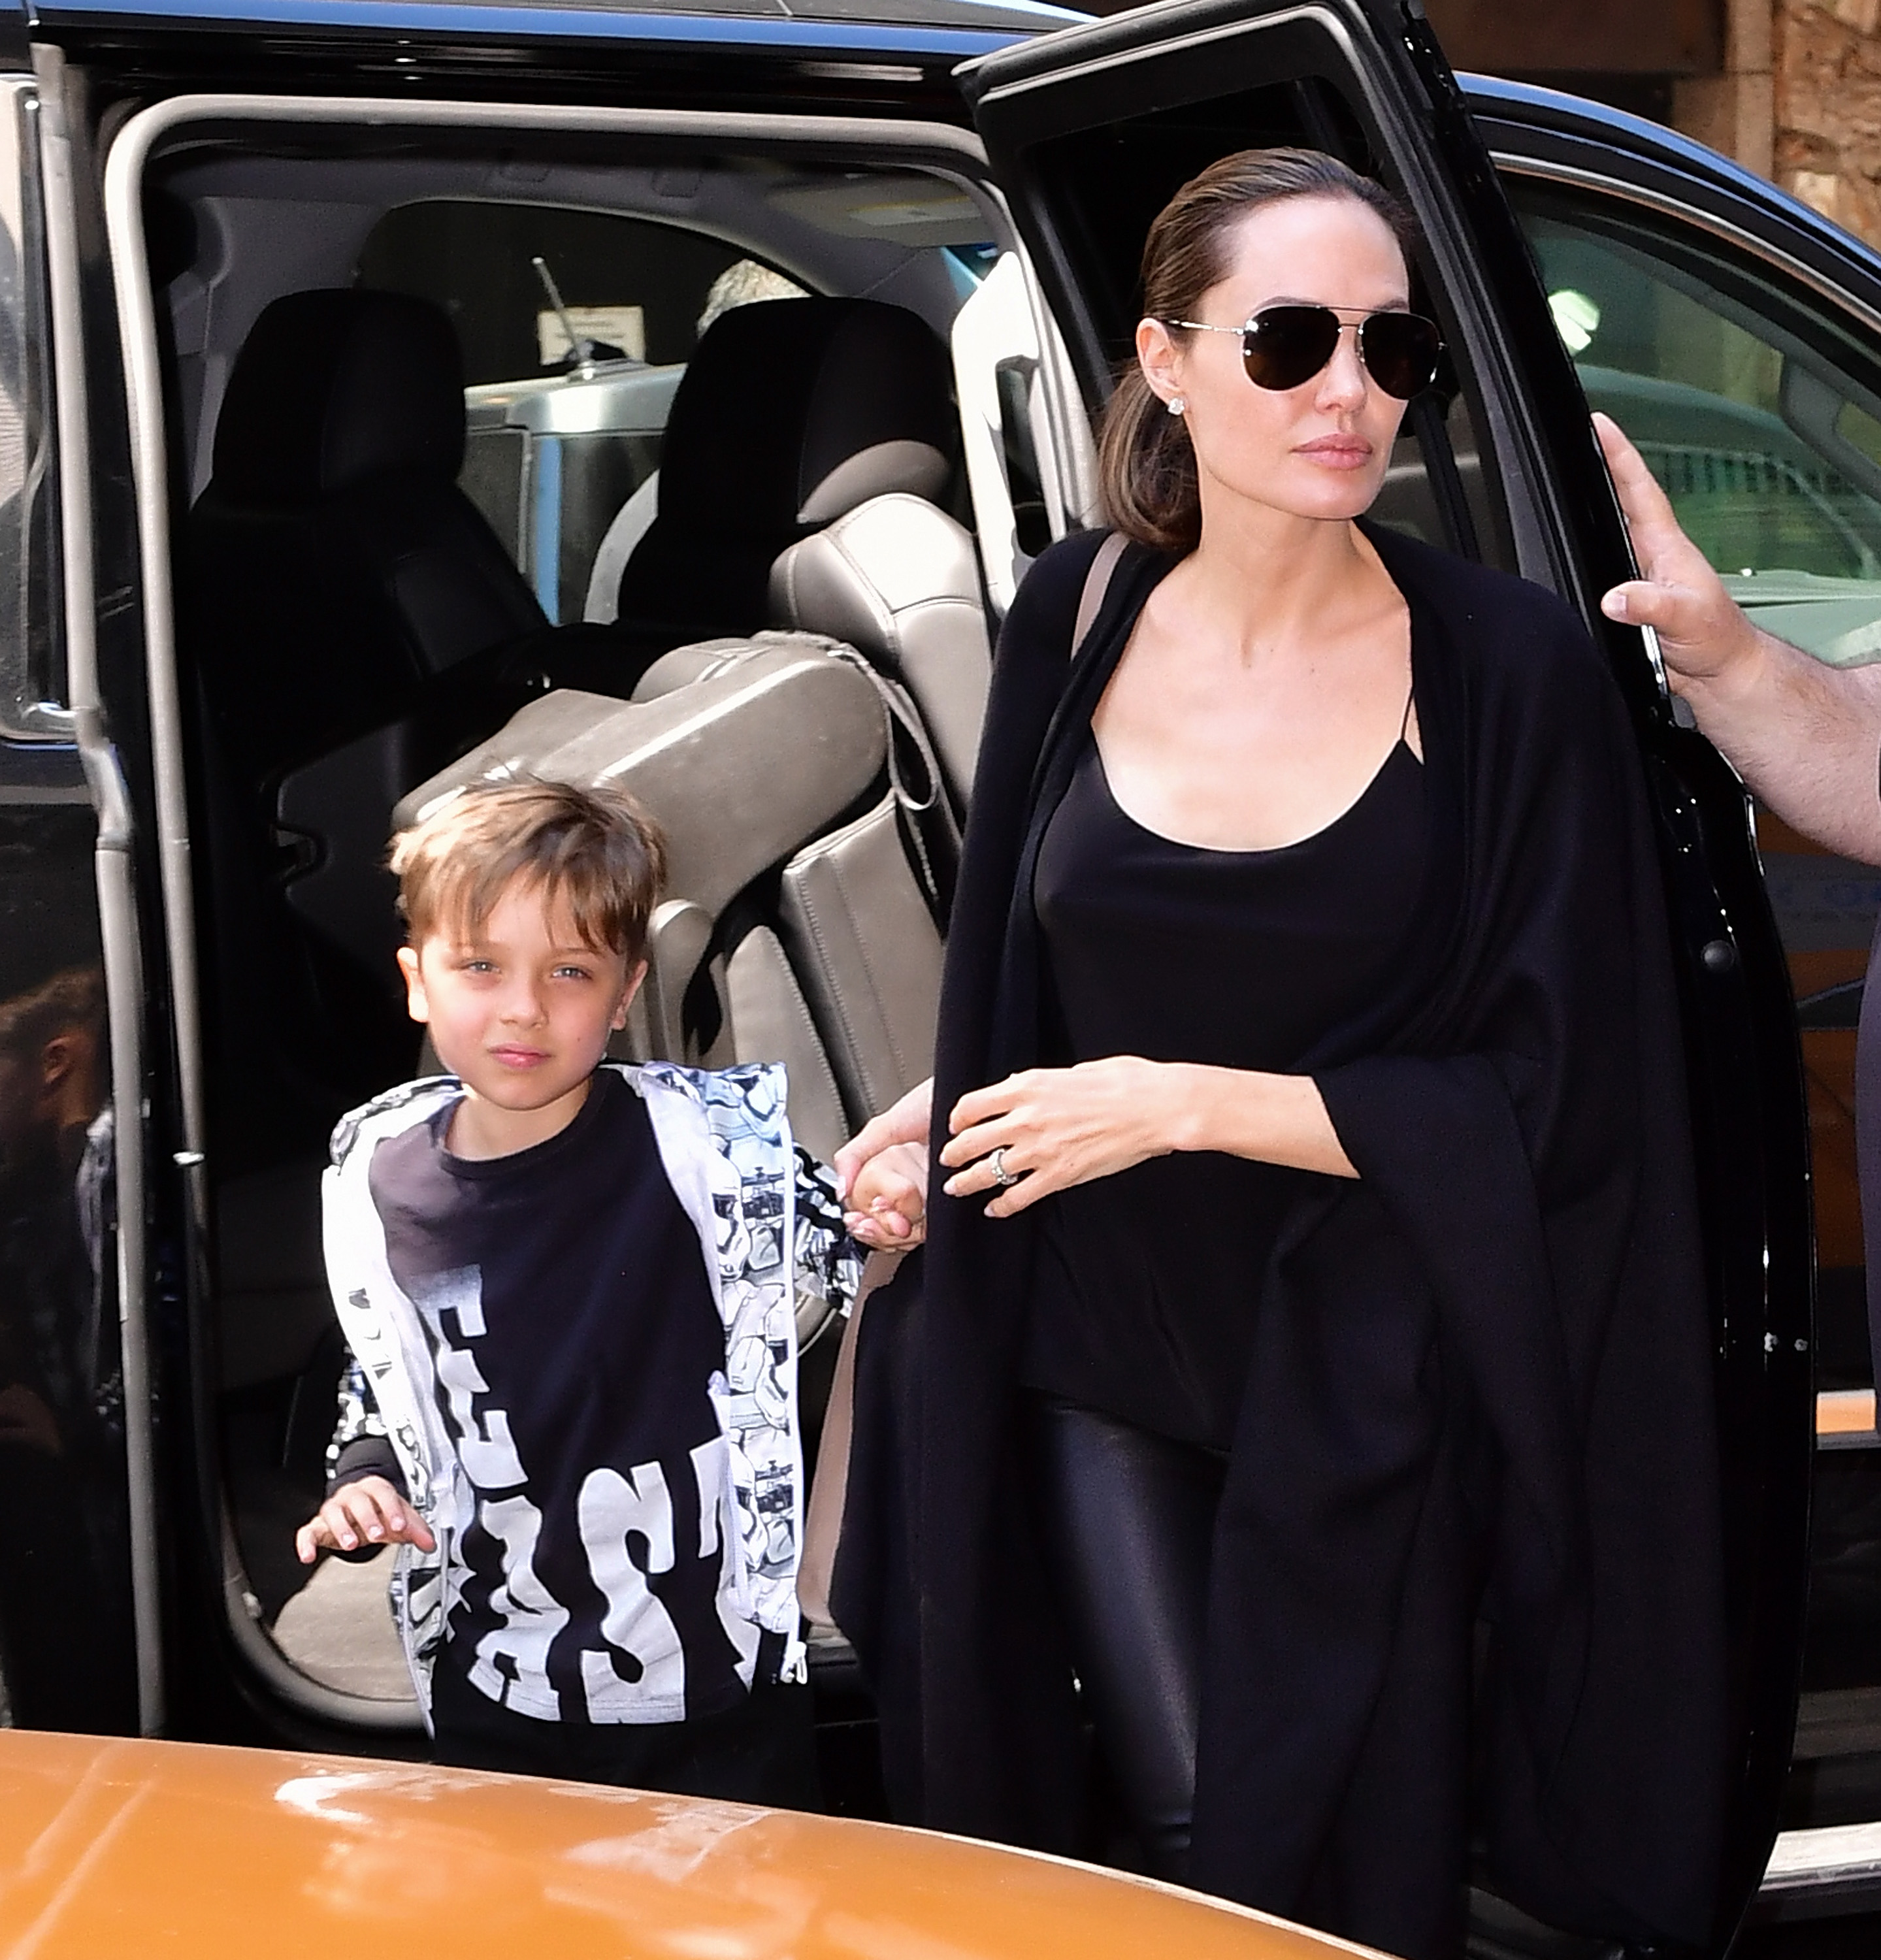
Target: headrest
898, 580
333, 387
794, 411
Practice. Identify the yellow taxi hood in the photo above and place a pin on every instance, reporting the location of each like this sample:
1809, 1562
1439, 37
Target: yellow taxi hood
135, 1848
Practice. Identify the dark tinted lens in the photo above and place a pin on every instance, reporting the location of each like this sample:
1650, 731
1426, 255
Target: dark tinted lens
1399, 351
1284, 345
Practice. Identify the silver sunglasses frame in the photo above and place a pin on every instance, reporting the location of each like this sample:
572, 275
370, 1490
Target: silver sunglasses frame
1357, 322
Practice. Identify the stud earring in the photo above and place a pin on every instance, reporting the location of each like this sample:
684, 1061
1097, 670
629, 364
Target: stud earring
1177, 405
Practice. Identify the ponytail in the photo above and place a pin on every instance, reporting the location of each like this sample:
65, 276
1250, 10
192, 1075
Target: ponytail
1147, 467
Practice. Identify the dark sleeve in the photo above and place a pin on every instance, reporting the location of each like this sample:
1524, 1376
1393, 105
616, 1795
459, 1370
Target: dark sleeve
829, 1262
370, 1456
361, 1446
1556, 1049
1532, 1150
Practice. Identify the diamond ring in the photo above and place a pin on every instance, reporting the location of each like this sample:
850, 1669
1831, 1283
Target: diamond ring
1001, 1176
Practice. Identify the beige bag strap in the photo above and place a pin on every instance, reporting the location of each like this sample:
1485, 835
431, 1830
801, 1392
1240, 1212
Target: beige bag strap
829, 1488
1097, 583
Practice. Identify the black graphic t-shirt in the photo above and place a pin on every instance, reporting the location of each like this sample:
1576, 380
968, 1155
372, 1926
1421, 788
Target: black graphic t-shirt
575, 1344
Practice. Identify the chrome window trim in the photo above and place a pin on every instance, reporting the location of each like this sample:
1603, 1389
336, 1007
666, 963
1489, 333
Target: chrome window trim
1666, 206
948, 151
120, 944
24, 716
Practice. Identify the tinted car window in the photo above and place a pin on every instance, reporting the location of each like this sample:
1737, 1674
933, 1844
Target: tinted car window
1757, 411
637, 287
562, 431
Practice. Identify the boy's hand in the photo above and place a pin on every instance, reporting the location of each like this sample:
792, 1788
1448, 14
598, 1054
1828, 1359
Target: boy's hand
369, 1512
888, 1199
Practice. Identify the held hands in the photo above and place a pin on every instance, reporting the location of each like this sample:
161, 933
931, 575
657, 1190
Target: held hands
888, 1200
369, 1512
1057, 1127
882, 1174
1706, 640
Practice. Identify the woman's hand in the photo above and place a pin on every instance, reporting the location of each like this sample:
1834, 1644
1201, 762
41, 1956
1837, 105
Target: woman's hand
1064, 1126
1059, 1127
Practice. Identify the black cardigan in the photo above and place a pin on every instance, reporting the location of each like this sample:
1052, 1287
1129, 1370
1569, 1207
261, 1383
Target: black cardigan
1480, 1396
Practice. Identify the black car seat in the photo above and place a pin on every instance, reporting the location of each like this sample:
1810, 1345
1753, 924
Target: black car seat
791, 413
338, 572
352, 622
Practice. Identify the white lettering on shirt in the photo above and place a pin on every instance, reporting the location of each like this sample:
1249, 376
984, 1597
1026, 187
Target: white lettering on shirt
611, 1510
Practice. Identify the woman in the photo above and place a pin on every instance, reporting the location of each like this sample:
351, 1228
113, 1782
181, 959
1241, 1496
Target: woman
1309, 1355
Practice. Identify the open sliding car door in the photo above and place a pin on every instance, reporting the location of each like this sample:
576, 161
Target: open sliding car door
1090, 130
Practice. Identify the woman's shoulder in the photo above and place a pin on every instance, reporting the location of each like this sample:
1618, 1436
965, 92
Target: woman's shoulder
1463, 589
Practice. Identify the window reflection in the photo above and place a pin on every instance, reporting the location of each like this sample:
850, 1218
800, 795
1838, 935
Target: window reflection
63, 1582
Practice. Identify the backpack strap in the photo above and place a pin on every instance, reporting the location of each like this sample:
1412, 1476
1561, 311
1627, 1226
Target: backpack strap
1096, 584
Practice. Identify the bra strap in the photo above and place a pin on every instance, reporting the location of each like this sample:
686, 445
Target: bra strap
1091, 601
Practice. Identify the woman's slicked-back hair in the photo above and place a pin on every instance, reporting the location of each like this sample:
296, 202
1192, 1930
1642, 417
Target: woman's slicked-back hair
1146, 465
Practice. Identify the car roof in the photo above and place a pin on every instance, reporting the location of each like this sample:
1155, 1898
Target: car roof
1635, 141
952, 27
135, 1848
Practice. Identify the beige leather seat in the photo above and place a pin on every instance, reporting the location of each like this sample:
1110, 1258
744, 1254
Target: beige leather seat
898, 580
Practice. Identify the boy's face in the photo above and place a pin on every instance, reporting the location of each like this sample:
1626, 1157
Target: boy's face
520, 1009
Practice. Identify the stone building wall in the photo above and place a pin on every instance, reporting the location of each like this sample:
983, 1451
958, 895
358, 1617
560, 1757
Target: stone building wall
1826, 64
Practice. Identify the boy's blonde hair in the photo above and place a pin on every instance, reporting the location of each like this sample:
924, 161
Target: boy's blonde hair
596, 850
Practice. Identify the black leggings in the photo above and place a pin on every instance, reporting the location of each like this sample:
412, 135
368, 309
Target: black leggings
1128, 1522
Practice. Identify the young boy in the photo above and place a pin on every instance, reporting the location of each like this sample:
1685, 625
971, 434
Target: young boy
569, 1287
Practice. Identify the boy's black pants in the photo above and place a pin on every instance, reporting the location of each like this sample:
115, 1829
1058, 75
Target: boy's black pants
763, 1750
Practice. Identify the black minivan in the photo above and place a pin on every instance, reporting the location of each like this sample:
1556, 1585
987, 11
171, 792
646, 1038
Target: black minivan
286, 556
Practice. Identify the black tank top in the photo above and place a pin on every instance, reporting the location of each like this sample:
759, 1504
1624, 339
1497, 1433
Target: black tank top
1145, 1294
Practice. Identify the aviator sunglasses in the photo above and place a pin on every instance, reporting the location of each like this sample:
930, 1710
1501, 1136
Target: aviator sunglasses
1282, 346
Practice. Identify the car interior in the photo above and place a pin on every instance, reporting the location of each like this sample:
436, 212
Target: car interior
708, 472
787, 661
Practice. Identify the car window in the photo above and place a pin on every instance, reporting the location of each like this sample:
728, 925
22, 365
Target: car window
638, 287
1756, 407
1757, 410
575, 327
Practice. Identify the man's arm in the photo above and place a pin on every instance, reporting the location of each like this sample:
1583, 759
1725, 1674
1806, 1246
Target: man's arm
1806, 736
